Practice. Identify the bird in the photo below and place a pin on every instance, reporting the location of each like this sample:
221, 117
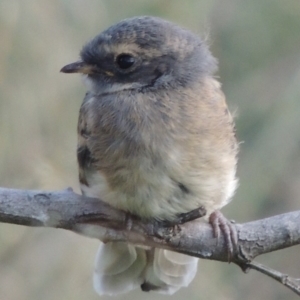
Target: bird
155, 139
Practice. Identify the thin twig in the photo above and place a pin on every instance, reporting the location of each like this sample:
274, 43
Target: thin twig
286, 280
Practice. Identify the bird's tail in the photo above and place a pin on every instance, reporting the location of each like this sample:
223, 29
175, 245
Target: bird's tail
121, 267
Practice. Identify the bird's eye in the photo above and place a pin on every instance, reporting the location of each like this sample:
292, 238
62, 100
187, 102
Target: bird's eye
125, 61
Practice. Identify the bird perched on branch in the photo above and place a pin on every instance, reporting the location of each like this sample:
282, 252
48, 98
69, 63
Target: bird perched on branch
155, 138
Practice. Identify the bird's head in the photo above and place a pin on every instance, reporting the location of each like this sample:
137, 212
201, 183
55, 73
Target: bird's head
142, 53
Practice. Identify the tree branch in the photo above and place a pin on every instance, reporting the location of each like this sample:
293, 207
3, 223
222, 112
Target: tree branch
94, 218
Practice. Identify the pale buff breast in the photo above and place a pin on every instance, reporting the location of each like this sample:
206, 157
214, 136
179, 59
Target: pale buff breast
179, 175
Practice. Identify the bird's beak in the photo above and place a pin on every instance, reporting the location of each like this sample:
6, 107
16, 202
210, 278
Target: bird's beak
80, 67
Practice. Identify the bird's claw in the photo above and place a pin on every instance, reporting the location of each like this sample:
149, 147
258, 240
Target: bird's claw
219, 223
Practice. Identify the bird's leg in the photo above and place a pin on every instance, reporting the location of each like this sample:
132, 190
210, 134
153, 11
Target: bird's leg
220, 223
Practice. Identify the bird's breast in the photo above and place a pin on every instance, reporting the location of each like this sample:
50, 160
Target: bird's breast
157, 156
126, 154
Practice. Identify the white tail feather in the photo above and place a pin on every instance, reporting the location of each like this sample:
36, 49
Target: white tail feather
174, 269
121, 267
118, 268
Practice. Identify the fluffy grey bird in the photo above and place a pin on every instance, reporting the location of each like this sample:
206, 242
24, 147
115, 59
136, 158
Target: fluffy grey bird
155, 138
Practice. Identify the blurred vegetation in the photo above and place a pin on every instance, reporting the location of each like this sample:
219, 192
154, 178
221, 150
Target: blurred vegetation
258, 47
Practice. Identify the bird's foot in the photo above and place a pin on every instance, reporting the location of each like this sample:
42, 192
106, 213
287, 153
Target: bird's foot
219, 223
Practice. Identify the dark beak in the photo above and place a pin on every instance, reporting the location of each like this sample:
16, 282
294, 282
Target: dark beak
80, 67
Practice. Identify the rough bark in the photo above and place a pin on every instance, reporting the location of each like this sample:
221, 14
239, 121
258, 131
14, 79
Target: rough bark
94, 218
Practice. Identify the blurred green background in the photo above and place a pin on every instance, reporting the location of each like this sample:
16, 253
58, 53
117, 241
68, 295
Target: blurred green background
258, 47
